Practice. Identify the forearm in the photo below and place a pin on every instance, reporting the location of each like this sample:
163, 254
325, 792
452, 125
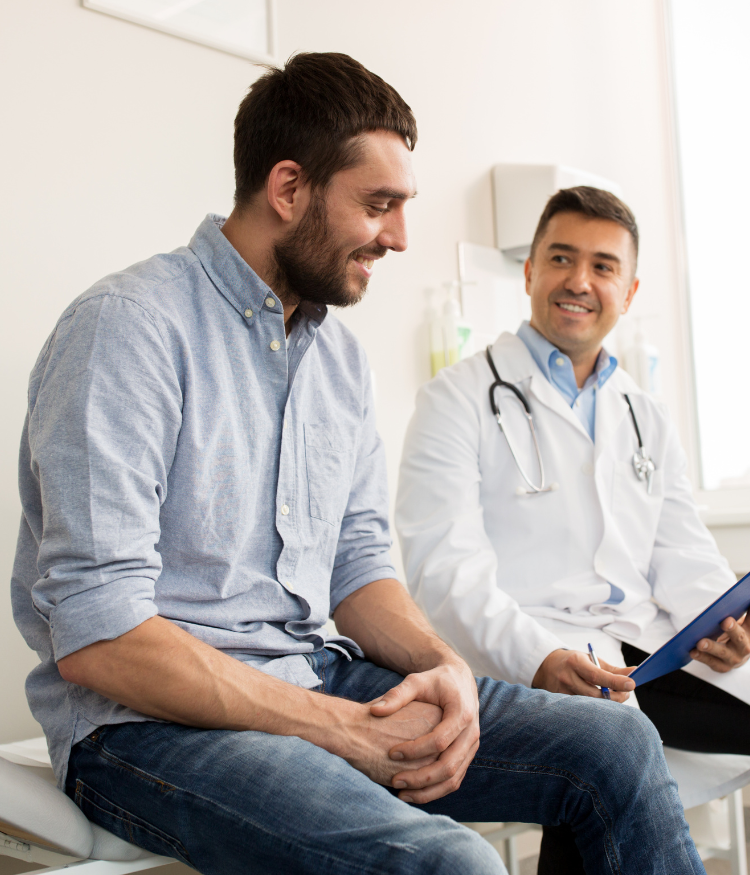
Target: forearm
391, 630
162, 671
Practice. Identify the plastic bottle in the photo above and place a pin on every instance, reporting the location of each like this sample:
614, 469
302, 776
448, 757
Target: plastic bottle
435, 328
459, 334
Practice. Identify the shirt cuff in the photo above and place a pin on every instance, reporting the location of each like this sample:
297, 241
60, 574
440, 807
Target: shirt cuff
339, 593
101, 614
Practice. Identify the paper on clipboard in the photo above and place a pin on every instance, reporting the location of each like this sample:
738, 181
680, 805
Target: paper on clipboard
676, 652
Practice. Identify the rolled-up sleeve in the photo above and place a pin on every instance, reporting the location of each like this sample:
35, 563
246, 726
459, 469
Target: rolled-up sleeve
363, 551
104, 416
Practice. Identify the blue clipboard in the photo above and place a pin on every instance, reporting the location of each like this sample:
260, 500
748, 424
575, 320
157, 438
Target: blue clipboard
676, 652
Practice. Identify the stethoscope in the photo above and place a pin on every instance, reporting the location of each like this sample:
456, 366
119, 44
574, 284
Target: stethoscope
643, 465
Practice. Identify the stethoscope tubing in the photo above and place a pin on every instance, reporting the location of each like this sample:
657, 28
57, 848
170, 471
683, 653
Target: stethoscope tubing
643, 465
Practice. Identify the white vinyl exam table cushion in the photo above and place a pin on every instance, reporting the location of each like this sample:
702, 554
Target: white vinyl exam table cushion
36, 810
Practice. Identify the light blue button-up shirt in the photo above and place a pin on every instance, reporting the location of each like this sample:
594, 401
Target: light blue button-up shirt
178, 459
558, 369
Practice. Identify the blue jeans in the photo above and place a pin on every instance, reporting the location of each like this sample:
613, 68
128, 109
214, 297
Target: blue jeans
241, 803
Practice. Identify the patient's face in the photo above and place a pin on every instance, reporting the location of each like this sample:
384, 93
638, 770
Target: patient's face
580, 282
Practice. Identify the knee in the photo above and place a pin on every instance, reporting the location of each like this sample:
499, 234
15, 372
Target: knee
455, 848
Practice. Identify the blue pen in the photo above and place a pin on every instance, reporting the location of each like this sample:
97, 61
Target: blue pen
592, 655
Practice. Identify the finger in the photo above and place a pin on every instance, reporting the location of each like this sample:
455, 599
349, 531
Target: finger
737, 635
711, 661
447, 772
605, 676
721, 652
395, 699
577, 686
438, 740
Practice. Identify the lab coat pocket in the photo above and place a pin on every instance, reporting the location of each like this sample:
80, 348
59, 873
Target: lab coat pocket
329, 472
636, 511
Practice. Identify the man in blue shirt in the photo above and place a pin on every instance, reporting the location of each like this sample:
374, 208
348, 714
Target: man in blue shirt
203, 485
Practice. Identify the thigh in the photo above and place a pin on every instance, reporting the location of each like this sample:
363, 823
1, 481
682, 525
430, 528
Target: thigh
229, 802
691, 714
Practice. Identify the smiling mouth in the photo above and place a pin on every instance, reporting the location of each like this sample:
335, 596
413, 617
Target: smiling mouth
574, 308
365, 262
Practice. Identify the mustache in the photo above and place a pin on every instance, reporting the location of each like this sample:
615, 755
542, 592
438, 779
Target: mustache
377, 252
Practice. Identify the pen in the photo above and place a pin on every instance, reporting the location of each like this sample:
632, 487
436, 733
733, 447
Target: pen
593, 658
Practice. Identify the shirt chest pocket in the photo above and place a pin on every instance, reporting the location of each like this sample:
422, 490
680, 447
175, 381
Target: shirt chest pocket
329, 457
637, 512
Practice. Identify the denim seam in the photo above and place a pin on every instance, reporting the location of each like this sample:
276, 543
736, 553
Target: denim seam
574, 779
105, 754
127, 819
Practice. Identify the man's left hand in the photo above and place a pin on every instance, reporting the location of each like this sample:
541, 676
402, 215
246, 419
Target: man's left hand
454, 740
730, 650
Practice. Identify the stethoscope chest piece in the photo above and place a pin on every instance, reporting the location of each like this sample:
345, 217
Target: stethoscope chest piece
644, 467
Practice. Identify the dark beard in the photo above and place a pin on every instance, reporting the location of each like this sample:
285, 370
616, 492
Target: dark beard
309, 267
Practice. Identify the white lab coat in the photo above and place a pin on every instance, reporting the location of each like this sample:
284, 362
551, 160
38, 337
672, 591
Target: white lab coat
507, 579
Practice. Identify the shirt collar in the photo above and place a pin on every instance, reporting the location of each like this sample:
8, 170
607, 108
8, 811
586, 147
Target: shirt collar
545, 353
233, 276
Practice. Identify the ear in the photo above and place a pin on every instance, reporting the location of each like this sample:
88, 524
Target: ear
527, 274
287, 194
630, 295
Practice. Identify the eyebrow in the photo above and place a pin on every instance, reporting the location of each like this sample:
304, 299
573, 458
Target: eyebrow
389, 194
565, 247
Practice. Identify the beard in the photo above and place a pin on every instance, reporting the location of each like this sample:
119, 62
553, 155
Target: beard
308, 266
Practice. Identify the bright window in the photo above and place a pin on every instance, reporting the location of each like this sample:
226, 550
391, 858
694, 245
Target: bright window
711, 68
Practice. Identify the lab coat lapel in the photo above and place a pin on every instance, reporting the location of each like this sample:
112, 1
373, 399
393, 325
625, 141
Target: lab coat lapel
515, 364
611, 409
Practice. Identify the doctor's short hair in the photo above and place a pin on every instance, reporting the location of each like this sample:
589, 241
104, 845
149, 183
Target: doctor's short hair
596, 203
312, 111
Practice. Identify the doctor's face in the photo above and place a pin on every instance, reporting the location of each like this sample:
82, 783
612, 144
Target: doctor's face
580, 280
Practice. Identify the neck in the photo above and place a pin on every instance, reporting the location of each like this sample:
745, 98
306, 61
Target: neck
255, 243
583, 360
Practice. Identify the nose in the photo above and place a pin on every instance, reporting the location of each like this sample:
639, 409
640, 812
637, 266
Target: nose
393, 233
580, 279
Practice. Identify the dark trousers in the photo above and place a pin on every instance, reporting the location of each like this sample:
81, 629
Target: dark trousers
690, 715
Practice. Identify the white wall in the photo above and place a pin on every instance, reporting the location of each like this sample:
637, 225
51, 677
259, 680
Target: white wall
117, 140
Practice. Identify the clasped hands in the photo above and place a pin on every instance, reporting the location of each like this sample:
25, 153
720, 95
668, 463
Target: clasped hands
421, 736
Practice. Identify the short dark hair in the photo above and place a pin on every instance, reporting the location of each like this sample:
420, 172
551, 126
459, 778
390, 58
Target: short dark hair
311, 112
588, 201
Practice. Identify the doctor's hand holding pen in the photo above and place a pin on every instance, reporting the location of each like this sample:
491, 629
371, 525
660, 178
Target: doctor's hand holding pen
573, 673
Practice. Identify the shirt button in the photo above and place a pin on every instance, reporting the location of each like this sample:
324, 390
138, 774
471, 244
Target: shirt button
275, 345
578, 402
248, 312
559, 361
270, 302
284, 509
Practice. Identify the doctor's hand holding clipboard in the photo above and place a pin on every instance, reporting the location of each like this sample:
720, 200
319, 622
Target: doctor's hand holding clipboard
719, 638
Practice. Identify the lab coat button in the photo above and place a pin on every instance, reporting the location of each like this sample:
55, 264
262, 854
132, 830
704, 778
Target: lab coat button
248, 312
587, 468
284, 509
275, 345
270, 302
289, 586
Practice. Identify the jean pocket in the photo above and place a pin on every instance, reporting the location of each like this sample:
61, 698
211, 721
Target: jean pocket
126, 825
329, 460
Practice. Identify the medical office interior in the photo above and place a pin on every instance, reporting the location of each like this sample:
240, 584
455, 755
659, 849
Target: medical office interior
117, 140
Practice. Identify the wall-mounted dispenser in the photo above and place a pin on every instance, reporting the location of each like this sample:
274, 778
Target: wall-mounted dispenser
520, 193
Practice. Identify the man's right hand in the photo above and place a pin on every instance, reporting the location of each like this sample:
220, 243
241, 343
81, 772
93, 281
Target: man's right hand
372, 738
573, 673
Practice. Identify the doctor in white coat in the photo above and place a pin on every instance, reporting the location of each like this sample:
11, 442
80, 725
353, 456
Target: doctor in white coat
520, 581
520, 570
